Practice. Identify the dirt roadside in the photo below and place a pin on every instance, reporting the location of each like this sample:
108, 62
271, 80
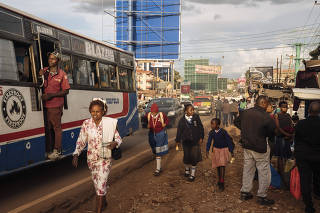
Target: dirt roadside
141, 192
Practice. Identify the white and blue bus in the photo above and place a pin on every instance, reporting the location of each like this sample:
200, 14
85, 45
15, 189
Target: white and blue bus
94, 69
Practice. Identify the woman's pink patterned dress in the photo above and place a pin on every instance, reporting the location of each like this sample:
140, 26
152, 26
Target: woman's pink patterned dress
100, 168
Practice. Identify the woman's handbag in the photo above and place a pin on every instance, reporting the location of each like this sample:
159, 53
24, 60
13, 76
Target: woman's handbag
116, 153
295, 183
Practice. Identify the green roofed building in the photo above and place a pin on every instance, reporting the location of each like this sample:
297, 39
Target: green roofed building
200, 81
223, 84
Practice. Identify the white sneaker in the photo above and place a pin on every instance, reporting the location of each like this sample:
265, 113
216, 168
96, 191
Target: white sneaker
54, 155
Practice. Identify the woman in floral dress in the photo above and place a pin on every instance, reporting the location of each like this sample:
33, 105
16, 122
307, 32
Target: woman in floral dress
98, 155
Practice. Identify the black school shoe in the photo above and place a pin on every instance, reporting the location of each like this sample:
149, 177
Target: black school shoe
191, 178
265, 201
157, 172
187, 172
221, 186
246, 196
309, 210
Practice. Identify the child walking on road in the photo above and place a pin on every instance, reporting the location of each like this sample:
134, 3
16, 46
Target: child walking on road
221, 148
190, 132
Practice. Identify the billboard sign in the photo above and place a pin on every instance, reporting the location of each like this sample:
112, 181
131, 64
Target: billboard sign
261, 74
155, 28
160, 64
185, 87
213, 69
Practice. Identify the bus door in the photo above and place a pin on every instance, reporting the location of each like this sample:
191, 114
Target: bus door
45, 45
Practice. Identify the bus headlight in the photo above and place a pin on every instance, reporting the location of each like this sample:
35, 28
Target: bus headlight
171, 113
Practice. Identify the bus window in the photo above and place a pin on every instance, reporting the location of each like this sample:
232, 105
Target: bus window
113, 77
23, 63
80, 71
66, 67
104, 75
123, 78
94, 77
8, 63
130, 80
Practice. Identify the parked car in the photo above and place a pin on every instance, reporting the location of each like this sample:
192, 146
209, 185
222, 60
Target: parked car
169, 106
203, 105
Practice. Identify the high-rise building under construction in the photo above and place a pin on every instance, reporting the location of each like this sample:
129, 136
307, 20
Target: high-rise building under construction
200, 81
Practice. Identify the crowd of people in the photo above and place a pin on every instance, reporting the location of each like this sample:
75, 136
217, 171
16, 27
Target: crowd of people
265, 132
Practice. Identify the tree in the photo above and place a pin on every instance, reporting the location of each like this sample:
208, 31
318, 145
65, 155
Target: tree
177, 79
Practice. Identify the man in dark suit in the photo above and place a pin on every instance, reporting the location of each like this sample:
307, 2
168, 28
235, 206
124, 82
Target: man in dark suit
307, 152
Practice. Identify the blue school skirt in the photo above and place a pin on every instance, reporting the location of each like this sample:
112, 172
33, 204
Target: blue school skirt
159, 143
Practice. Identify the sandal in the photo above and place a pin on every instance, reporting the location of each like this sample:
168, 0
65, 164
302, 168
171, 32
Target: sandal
157, 172
191, 178
187, 172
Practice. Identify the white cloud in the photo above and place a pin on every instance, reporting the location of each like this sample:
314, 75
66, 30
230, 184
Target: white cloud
201, 20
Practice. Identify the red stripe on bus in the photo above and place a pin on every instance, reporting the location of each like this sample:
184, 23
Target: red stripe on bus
38, 131
22, 134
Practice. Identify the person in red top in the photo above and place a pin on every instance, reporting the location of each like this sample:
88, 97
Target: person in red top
56, 87
158, 138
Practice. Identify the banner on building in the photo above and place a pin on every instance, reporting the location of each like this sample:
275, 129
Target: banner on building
161, 64
213, 69
261, 74
185, 87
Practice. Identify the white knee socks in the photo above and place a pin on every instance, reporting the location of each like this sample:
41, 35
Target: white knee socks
187, 169
158, 160
193, 171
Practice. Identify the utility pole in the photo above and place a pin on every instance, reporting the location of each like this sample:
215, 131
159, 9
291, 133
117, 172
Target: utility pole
297, 59
277, 70
280, 69
130, 25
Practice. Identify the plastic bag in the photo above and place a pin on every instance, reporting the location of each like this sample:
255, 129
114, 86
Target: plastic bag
275, 178
295, 183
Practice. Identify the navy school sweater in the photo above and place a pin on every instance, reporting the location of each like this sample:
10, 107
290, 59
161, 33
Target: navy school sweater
221, 140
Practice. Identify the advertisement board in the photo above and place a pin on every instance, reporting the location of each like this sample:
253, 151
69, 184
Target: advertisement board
261, 74
161, 64
155, 28
185, 87
213, 69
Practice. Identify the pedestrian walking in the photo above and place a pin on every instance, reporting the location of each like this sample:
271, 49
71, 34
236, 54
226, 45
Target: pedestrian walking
100, 135
256, 126
191, 133
271, 140
243, 105
250, 102
226, 112
219, 105
234, 111
158, 138
55, 88
284, 136
306, 152
222, 149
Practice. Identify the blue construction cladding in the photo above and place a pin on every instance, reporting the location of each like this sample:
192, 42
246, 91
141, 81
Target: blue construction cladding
155, 28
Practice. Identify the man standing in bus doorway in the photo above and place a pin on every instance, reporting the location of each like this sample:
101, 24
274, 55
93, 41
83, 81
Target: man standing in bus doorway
55, 88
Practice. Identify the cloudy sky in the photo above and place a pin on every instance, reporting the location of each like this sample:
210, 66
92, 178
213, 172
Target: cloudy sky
234, 33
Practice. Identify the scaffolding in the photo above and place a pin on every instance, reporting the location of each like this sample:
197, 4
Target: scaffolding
200, 81
222, 84
149, 28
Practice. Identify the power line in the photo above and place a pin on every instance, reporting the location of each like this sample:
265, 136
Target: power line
241, 50
249, 36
